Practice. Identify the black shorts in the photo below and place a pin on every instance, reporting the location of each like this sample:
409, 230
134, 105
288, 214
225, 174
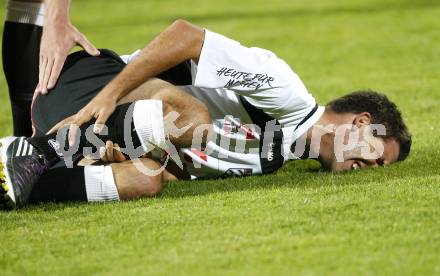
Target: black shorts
82, 77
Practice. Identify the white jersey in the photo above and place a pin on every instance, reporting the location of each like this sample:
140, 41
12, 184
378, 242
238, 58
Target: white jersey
258, 106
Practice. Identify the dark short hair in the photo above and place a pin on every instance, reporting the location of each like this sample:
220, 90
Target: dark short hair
382, 110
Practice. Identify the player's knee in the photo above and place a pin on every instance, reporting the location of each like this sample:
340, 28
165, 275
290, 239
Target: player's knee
147, 185
150, 186
191, 112
143, 180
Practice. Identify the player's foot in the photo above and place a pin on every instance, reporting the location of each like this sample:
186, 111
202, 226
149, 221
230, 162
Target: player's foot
20, 168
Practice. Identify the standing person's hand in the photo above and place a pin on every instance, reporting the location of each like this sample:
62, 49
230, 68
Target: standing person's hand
57, 41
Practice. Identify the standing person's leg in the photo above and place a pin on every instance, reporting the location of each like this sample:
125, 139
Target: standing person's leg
21, 46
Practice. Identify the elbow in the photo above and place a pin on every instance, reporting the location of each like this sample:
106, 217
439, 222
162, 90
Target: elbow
183, 27
189, 34
181, 24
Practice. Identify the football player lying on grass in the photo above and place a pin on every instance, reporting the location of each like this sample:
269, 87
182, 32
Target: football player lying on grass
192, 104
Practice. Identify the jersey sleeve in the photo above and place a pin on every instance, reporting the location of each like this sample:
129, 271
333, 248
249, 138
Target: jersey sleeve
225, 63
265, 80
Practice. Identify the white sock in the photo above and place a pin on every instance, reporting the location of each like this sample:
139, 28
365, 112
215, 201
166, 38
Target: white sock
100, 184
25, 12
148, 123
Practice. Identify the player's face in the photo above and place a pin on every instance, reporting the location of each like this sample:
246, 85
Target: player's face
360, 158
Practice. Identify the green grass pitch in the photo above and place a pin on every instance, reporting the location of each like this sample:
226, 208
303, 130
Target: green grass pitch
297, 221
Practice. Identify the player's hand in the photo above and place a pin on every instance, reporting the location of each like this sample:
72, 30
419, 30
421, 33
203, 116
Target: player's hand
57, 40
100, 108
111, 153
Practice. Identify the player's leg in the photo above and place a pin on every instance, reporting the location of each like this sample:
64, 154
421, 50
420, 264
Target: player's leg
192, 112
149, 124
21, 46
25, 160
149, 117
132, 183
34, 156
83, 76
118, 181
60, 184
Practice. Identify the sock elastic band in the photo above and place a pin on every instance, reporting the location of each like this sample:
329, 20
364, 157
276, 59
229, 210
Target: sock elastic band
100, 184
25, 12
148, 122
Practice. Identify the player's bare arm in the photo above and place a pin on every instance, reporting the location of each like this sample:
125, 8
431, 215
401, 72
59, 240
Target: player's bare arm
179, 42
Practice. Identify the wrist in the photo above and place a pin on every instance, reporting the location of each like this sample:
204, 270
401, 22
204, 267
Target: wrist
57, 19
57, 12
110, 95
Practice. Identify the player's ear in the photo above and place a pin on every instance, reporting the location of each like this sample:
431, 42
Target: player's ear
362, 119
